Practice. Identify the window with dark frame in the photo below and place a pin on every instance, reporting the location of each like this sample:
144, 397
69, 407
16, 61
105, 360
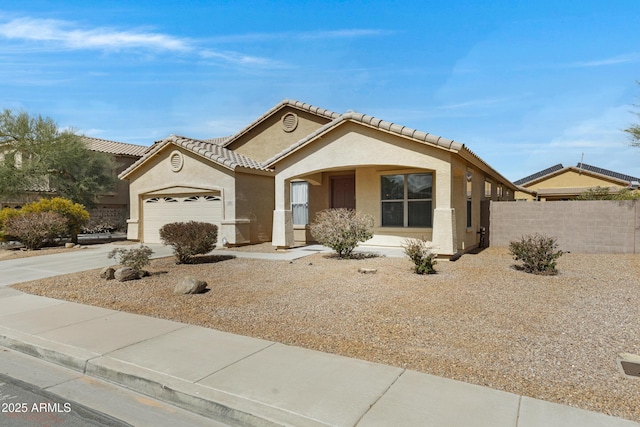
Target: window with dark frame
407, 200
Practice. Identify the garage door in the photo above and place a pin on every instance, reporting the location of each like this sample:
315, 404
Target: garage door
161, 210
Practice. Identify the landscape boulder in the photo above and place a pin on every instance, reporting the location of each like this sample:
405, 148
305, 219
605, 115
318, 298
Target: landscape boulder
108, 273
190, 285
126, 273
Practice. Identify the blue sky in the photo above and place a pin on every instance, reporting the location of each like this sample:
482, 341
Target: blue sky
524, 84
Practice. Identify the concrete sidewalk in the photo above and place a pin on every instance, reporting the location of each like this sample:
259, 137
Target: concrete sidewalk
246, 381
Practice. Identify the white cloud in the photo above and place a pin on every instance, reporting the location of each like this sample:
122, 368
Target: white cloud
620, 59
68, 35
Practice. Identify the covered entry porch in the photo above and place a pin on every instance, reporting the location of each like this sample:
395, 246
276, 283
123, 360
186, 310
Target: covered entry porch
404, 201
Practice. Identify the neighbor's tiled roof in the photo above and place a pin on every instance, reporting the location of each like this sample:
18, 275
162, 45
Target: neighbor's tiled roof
209, 150
606, 172
285, 103
539, 174
113, 147
553, 170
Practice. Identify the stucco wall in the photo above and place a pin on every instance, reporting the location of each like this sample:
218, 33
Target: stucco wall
601, 226
269, 137
157, 177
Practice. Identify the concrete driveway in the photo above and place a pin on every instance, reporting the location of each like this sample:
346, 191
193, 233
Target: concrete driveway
39, 267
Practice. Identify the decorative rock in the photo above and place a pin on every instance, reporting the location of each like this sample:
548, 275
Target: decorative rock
190, 285
69, 245
368, 270
126, 273
108, 273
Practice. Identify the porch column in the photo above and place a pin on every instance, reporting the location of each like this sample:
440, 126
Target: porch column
282, 236
444, 216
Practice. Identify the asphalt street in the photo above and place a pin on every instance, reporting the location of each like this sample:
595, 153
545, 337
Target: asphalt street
26, 405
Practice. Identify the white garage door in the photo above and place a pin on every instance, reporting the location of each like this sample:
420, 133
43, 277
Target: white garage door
161, 210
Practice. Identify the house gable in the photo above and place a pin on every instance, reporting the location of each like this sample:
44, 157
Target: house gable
278, 129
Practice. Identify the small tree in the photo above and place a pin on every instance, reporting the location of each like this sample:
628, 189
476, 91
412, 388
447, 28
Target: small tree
537, 252
136, 258
36, 229
39, 158
422, 255
189, 239
342, 229
634, 131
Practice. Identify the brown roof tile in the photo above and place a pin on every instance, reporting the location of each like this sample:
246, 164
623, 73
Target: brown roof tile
113, 147
209, 150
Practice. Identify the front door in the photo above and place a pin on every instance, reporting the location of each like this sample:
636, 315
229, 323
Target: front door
343, 192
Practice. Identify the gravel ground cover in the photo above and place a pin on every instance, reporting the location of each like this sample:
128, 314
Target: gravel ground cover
478, 320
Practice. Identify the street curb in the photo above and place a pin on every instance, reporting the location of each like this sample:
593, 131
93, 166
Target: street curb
196, 398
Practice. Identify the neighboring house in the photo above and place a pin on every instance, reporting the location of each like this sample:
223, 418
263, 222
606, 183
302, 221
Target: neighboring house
267, 182
111, 208
566, 183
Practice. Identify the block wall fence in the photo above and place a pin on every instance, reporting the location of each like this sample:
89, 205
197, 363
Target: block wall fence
599, 226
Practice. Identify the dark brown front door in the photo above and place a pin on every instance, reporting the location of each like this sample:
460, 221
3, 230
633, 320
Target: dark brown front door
343, 192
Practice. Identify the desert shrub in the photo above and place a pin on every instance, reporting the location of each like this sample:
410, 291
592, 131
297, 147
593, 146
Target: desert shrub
538, 254
6, 214
75, 213
604, 193
36, 229
136, 258
342, 229
422, 255
189, 239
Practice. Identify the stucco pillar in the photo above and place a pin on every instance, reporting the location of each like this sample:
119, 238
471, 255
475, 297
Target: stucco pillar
444, 216
282, 235
444, 231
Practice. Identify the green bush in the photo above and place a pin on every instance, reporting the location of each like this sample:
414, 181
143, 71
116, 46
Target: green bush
136, 258
537, 252
342, 229
189, 239
422, 255
36, 229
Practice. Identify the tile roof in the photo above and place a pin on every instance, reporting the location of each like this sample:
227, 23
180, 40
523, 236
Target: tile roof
539, 174
218, 141
419, 136
209, 150
215, 150
579, 167
594, 169
113, 147
374, 122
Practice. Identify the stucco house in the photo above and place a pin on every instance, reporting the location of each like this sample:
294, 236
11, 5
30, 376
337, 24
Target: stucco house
267, 182
560, 182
